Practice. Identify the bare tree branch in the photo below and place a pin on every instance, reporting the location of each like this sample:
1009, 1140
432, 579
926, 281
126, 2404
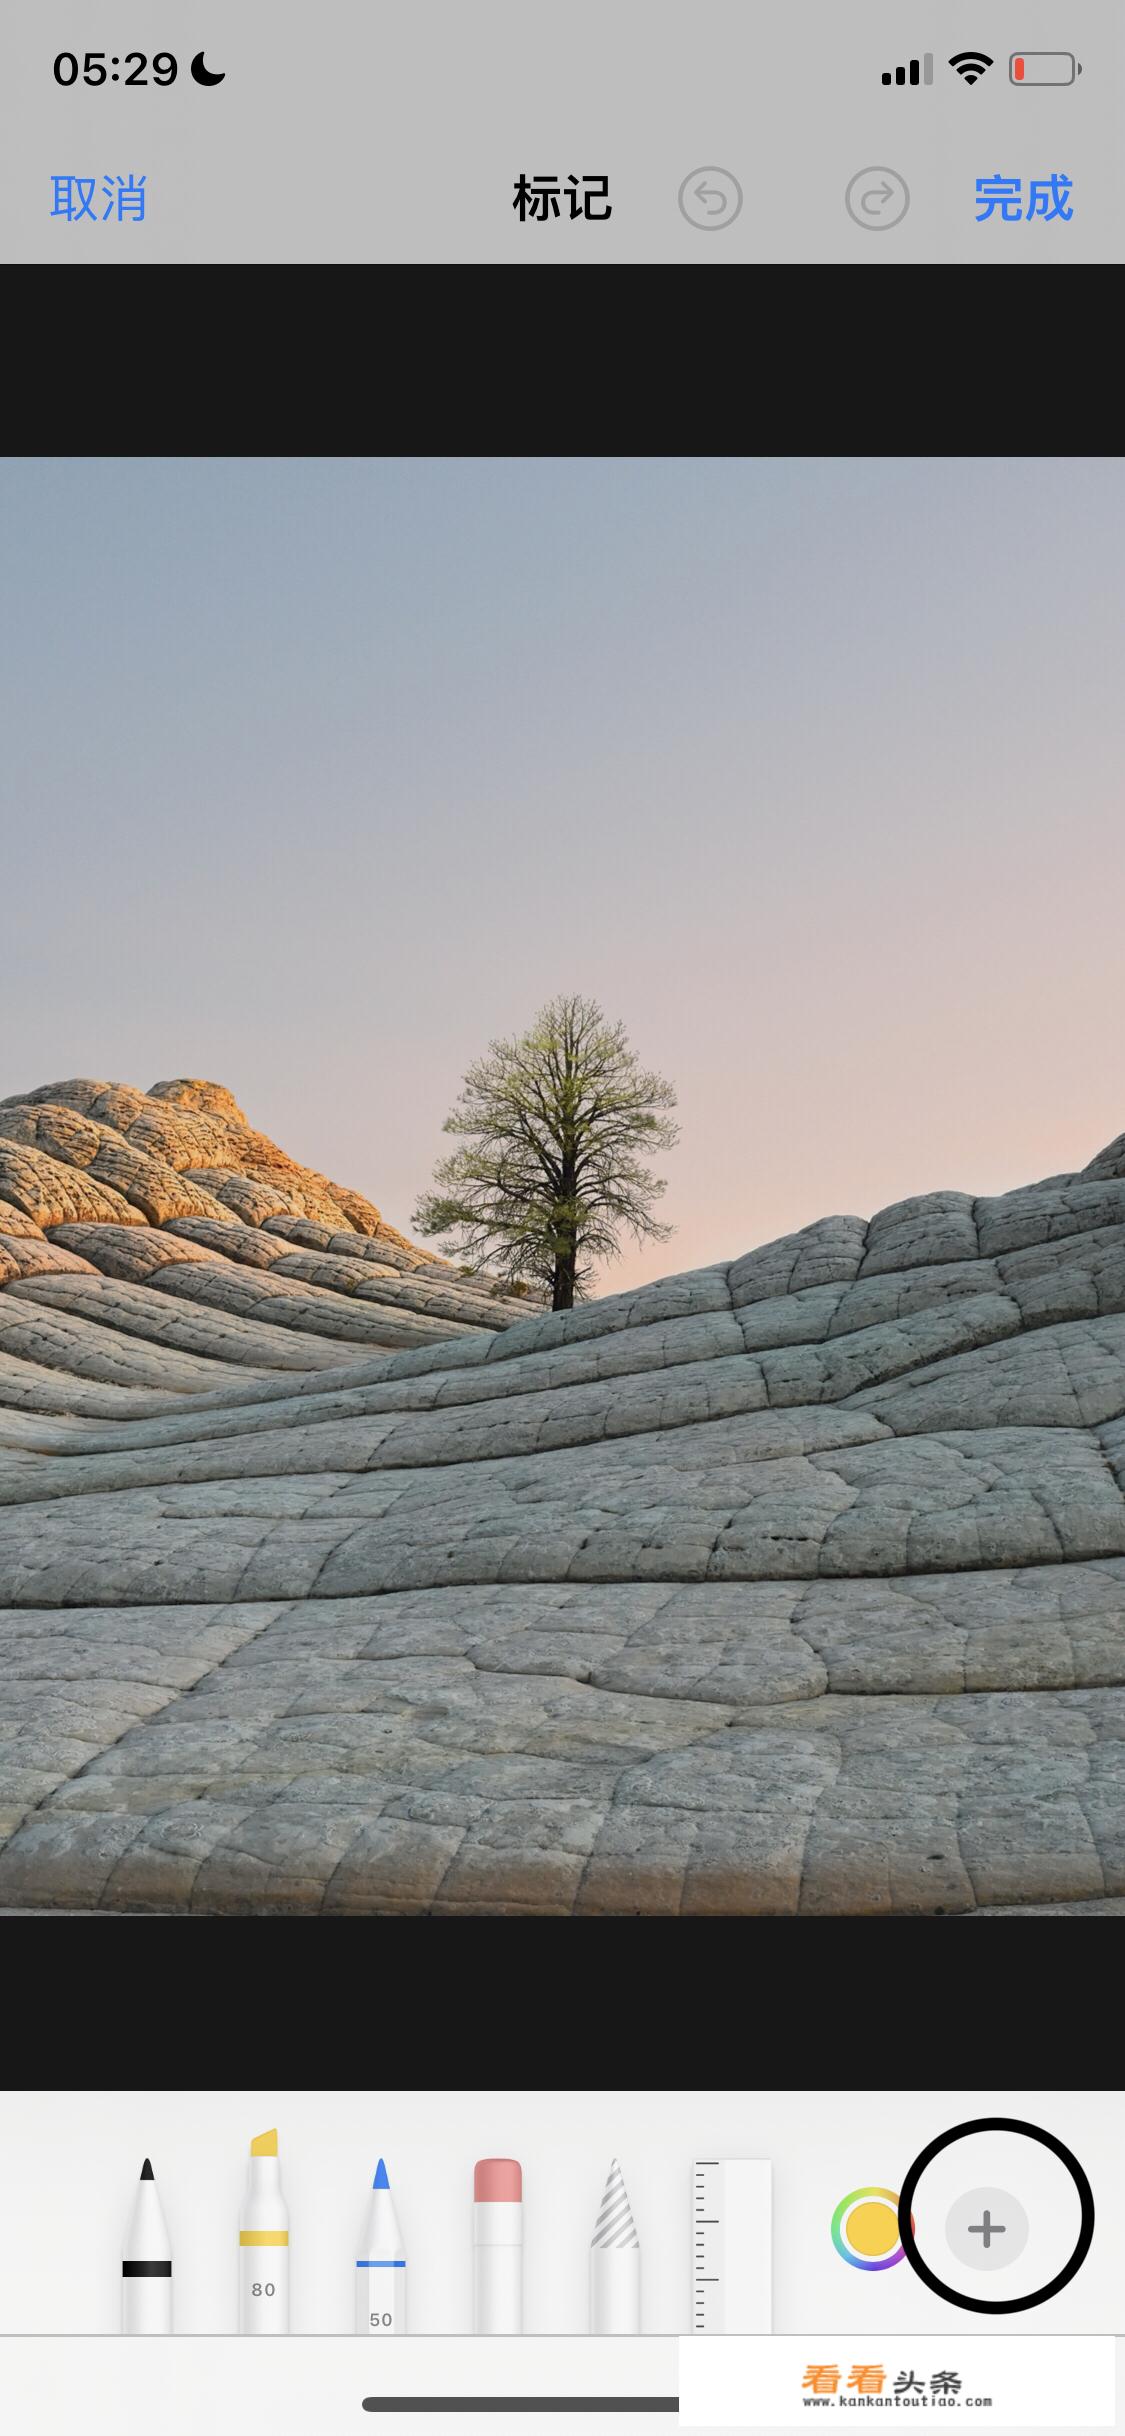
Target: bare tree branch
548, 1177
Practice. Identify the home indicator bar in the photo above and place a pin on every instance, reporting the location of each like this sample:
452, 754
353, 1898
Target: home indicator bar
521, 2402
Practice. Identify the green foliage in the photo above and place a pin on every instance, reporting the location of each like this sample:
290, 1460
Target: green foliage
555, 1128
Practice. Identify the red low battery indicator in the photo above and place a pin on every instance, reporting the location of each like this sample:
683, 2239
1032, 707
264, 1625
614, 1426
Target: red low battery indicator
1043, 68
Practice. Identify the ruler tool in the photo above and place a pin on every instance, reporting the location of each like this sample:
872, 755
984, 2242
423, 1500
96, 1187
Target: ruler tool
731, 2223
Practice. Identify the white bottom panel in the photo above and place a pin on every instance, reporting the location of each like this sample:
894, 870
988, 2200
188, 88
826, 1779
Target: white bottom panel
316, 2385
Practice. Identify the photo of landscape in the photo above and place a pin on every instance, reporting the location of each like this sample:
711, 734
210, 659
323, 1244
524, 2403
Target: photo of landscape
562, 1187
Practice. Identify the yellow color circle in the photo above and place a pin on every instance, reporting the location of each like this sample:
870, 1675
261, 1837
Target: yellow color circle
872, 2229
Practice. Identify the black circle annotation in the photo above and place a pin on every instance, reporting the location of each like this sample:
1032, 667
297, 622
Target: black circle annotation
1029, 2131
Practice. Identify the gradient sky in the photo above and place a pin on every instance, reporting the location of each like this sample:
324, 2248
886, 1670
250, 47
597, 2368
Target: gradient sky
318, 774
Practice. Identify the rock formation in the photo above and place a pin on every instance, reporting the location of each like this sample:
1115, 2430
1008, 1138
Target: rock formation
332, 1581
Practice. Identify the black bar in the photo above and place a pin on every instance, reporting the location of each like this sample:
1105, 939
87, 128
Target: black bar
913, 71
521, 2402
900, 76
146, 2266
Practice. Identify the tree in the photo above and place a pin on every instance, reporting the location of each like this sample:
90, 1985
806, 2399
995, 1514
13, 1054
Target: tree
555, 1128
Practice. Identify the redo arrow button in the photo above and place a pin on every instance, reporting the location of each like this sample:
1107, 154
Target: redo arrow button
877, 198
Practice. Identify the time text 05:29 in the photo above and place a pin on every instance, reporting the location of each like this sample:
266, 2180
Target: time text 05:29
98, 69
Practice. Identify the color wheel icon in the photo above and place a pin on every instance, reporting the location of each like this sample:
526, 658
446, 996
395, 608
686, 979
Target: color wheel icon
865, 2229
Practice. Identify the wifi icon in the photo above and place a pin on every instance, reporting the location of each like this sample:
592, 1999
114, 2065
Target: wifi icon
970, 65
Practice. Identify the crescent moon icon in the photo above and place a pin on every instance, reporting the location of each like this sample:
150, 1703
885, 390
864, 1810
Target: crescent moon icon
204, 75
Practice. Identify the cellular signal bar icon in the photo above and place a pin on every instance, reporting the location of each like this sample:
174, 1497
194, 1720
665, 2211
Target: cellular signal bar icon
920, 72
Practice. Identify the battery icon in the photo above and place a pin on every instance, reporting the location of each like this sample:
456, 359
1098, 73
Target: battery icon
1043, 68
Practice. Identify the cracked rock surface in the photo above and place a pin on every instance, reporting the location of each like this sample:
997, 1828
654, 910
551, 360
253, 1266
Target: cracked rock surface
333, 1581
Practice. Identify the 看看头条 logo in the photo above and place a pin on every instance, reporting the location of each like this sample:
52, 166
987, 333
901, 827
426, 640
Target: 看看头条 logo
865, 2229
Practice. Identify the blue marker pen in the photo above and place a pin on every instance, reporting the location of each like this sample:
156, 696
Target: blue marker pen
380, 2269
